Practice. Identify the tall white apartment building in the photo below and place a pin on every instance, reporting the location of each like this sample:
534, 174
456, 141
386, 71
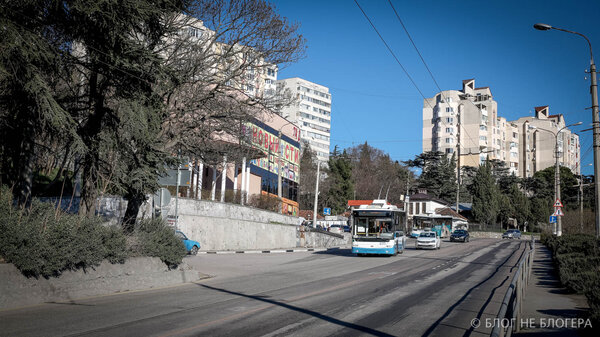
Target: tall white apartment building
311, 111
258, 78
469, 117
539, 137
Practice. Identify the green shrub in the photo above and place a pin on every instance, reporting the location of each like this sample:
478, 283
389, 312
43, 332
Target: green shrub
577, 257
155, 238
114, 243
40, 241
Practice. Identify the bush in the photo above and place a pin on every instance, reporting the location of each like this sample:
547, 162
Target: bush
155, 238
577, 257
41, 241
266, 202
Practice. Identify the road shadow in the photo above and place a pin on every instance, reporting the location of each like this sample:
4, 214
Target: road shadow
469, 331
362, 329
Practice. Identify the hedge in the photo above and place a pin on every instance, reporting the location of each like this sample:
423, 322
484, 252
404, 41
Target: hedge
41, 241
577, 257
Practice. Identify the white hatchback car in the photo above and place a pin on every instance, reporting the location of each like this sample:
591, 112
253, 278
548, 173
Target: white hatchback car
428, 240
337, 229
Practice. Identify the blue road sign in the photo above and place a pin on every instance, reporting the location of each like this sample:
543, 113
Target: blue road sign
552, 219
327, 211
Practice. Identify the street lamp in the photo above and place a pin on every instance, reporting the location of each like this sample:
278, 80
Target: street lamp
558, 225
595, 119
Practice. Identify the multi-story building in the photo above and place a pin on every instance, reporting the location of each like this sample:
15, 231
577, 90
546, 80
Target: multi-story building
468, 119
311, 111
272, 143
539, 138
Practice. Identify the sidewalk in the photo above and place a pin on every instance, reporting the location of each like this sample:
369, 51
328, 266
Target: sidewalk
292, 250
547, 303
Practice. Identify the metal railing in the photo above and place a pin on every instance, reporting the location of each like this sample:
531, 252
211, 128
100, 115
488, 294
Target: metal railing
509, 315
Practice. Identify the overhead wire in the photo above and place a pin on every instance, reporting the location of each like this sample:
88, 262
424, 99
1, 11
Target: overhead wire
426, 66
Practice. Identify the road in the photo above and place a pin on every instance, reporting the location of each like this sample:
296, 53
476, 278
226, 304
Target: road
418, 293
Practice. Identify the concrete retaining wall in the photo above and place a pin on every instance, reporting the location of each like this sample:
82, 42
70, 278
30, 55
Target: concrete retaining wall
135, 274
222, 226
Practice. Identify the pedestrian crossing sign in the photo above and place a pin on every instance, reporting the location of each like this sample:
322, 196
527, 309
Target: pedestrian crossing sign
558, 212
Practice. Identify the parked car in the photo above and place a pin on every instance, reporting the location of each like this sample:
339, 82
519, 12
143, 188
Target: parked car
460, 235
337, 229
414, 233
429, 240
347, 229
512, 234
191, 245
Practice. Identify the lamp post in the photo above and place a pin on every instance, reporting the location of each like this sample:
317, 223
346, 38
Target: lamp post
558, 225
595, 118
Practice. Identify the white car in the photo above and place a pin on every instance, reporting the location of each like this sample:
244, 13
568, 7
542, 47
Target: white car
337, 229
428, 240
414, 233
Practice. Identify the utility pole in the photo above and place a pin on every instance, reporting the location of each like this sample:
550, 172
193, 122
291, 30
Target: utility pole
458, 161
595, 119
558, 224
279, 166
316, 196
581, 202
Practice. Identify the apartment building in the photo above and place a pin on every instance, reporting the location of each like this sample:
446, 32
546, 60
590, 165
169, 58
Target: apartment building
468, 119
539, 135
272, 142
311, 112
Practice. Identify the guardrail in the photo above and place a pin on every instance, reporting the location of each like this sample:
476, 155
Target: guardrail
509, 315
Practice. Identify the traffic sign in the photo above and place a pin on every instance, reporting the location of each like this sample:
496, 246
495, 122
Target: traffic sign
552, 219
558, 212
327, 211
557, 203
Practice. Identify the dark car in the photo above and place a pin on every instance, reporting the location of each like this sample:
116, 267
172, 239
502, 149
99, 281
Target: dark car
460, 235
347, 229
512, 234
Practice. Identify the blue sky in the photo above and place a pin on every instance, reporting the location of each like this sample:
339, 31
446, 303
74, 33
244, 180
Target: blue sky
491, 41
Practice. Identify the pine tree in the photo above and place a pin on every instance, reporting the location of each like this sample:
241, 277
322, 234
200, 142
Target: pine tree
340, 181
485, 195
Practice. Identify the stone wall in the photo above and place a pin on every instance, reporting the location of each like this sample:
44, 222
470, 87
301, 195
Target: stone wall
327, 240
223, 226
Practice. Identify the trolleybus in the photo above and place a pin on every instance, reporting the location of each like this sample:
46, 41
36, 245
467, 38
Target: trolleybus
378, 229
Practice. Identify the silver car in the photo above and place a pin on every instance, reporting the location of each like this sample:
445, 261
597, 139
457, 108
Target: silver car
428, 240
512, 234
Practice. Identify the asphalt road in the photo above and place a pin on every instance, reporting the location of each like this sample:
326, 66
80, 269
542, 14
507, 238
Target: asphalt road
418, 293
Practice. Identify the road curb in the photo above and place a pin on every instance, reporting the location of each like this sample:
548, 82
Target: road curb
270, 251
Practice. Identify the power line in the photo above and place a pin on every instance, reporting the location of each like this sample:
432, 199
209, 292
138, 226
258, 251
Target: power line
390, 49
425, 64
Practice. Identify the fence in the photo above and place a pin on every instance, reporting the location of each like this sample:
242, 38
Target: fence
510, 309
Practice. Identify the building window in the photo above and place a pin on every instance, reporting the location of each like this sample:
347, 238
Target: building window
449, 109
449, 140
424, 207
410, 208
449, 99
449, 119
417, 208
449, 130
450, 150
